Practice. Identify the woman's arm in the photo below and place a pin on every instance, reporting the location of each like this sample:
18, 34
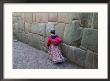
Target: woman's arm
48, 42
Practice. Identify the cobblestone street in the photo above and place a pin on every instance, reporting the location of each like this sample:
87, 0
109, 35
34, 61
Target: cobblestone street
27, 57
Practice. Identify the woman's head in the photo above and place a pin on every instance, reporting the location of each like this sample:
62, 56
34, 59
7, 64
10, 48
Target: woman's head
52, 31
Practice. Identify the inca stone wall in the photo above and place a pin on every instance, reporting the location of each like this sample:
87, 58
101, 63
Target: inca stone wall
79, 32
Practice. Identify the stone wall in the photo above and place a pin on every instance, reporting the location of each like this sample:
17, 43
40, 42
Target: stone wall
79, 32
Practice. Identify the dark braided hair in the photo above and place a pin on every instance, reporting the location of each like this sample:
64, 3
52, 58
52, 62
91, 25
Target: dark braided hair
52, 31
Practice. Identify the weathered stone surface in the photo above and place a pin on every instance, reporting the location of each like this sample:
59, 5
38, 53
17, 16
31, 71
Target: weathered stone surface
90, 39
62, 17
75, 15
27, 27
59, 29
74, 54
35, 41
39, 28
28, 17
45, 42
20, 25
72, 33
34, 17
84, 19
77, 55
93, 20
64, 49
42, 17
68, 18
52, 17
15, 19
30, 38
18, 14
44, 48
89, 59
95, 61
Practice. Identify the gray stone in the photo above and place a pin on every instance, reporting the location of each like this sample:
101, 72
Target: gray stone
39, 28
61, 17
22, 37
64, 49
64, 17
15, 19
74, 54
89, 60
52, 17
93, 20
75, 15
28, 17
90, 39
77, 55
95, 61
44, 49
27, 27
72, 33
42, 17
18, 14
20, 25
84, 19
68, 18
34, 14
59, 29
35, 41
30, 38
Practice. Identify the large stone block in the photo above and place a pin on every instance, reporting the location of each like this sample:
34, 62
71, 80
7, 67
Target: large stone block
15, 19
72, 33
95, 61
68, 18
59, 29
22, 37
77, 55
84, 19
75, 15
89, 59
18, 14
42, 17
52, 17
27, 27
44, 49
30, 38
93, 20
90, 39
38, 28
20, 25
62, 17
64, 49
74, 54
35, 41
28, 17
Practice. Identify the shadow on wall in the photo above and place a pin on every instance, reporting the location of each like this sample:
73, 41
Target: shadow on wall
79, 32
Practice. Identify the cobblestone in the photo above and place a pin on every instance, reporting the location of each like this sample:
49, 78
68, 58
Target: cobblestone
27, 57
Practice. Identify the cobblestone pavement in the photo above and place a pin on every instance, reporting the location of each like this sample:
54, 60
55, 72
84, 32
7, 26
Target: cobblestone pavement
27, 57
